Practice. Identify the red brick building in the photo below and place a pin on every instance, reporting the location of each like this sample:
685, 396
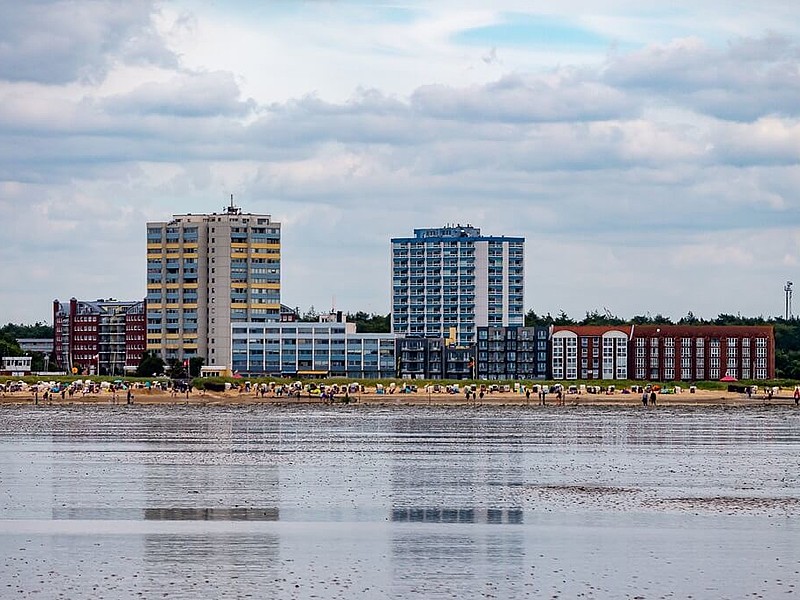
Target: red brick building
589, 351
105, 337
701, 352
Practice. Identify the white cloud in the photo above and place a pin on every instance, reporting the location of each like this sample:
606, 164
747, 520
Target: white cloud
57, 42
655, 175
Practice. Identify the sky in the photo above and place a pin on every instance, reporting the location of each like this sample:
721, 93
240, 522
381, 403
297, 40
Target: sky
647, 151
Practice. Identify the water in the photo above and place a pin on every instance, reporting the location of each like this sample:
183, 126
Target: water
324, 502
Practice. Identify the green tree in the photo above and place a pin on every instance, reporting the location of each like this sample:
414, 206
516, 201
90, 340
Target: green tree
370, 323
177, 370
151, 365
38, 330
533, 320
563, 319
37, 364
310, 316
689, 319
9, 346
605, 318
195, 364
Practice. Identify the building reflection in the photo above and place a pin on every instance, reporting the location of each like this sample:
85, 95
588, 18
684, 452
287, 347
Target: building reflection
211, 514
491, 516
456, 527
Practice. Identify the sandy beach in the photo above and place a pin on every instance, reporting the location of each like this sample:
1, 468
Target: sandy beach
234, 397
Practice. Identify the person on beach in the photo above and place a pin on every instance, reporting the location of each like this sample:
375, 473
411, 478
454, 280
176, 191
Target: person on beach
797, 395
644, 398
129, 397
527, 396
653, 397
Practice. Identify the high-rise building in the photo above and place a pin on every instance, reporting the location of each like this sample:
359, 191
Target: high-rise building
205, 272
105, 337
452, 277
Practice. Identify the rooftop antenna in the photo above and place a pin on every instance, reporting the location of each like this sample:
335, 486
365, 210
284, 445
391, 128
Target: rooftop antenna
232, 209
788, 289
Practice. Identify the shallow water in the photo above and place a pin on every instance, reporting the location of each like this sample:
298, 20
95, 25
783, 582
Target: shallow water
324, 502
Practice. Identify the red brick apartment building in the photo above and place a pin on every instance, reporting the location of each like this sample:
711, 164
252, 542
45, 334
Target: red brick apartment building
589, 352
662, 352
702, 352
106, 337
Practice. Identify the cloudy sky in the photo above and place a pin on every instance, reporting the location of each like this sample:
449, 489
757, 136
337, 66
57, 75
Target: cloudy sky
648, 154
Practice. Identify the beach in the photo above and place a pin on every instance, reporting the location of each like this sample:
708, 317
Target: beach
421, 397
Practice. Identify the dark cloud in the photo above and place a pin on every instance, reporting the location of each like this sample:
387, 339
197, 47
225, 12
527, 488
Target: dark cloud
56, 42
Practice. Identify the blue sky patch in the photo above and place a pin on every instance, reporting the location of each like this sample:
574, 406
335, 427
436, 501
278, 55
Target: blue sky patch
526, 30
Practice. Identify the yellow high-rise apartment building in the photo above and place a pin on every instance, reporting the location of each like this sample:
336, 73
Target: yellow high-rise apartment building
205, 272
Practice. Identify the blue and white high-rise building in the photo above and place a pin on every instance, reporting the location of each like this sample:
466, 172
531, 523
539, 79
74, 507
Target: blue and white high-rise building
452, 278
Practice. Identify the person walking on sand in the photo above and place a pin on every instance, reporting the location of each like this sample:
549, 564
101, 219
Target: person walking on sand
797, 395
644, 398
653, 397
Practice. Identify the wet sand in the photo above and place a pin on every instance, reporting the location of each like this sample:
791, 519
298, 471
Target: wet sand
377, 501
699, 398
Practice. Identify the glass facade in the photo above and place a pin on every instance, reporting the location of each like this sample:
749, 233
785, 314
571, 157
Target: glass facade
318, 349
448, 281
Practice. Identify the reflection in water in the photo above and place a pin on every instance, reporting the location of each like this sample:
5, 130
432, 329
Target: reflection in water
335, 502
492, 516
211, 514
79, 513
212, 565
470, 458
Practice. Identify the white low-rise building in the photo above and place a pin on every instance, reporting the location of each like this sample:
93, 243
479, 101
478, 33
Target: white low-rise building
328, 348
17, 366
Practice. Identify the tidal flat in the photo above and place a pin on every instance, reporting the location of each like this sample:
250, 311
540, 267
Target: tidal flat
330, 502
